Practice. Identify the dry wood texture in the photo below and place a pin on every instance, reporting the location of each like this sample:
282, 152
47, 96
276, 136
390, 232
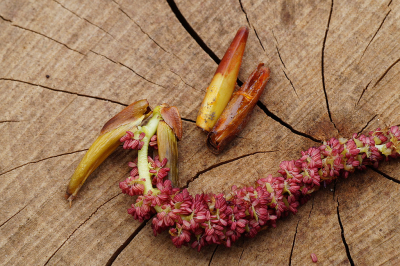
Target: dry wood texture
69, 66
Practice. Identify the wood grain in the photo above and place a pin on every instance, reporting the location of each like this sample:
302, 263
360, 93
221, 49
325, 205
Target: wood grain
67, 67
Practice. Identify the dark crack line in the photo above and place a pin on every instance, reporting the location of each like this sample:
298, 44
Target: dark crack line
250, 25
384, 174
188, 120
127, 242
240, 258
212, 256
51, 157
284, 66
222, 163
9, 121
358, 133
294, 241
148, 35
255, 31
322, 65
291, 83
63, 91
245, 13
387, 70
47, 37
185, 81
280, 58
279, 120
13, 215
84, 222
131, 69
390, 2
342, 235
362, 93
373, 37
88, 21
191, 31
277, 49
3, 18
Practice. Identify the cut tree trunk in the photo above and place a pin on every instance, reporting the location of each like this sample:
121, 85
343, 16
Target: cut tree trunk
69, 66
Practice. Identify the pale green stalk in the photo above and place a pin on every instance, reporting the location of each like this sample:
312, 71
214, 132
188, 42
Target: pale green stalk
143, 164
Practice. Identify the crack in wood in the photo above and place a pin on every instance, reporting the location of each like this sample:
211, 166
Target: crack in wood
131, 69
188, 120
212, 256
9, 121
223, 163
185, 81
63, 91
240, 258
362, 93
88, 21
47, 37
43, 159
87, 219
293, 243
291, 83
250, 25
244, 11
3, 18
191, 31
127, 242
346, 246
283, 63
14, 215
148, 35
384, 174
283, 123
322, 65
277, 49
280, 58
387, 70
376, 32
358, 133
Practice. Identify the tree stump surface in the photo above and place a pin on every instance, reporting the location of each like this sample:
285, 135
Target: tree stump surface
67, 67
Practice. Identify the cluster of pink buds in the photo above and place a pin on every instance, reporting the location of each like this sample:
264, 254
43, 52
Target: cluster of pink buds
134, 141
158, 169
131, 141
206, 219
134, 185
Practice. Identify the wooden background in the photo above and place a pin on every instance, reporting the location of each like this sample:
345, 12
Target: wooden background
69, 66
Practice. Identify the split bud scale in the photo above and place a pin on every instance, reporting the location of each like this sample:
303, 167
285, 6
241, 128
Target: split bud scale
236, 115
127, 120
168, 148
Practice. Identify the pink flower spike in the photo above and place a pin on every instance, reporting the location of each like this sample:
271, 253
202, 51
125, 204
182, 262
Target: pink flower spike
206, 219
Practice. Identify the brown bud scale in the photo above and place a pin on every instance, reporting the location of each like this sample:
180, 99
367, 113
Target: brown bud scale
237, 113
